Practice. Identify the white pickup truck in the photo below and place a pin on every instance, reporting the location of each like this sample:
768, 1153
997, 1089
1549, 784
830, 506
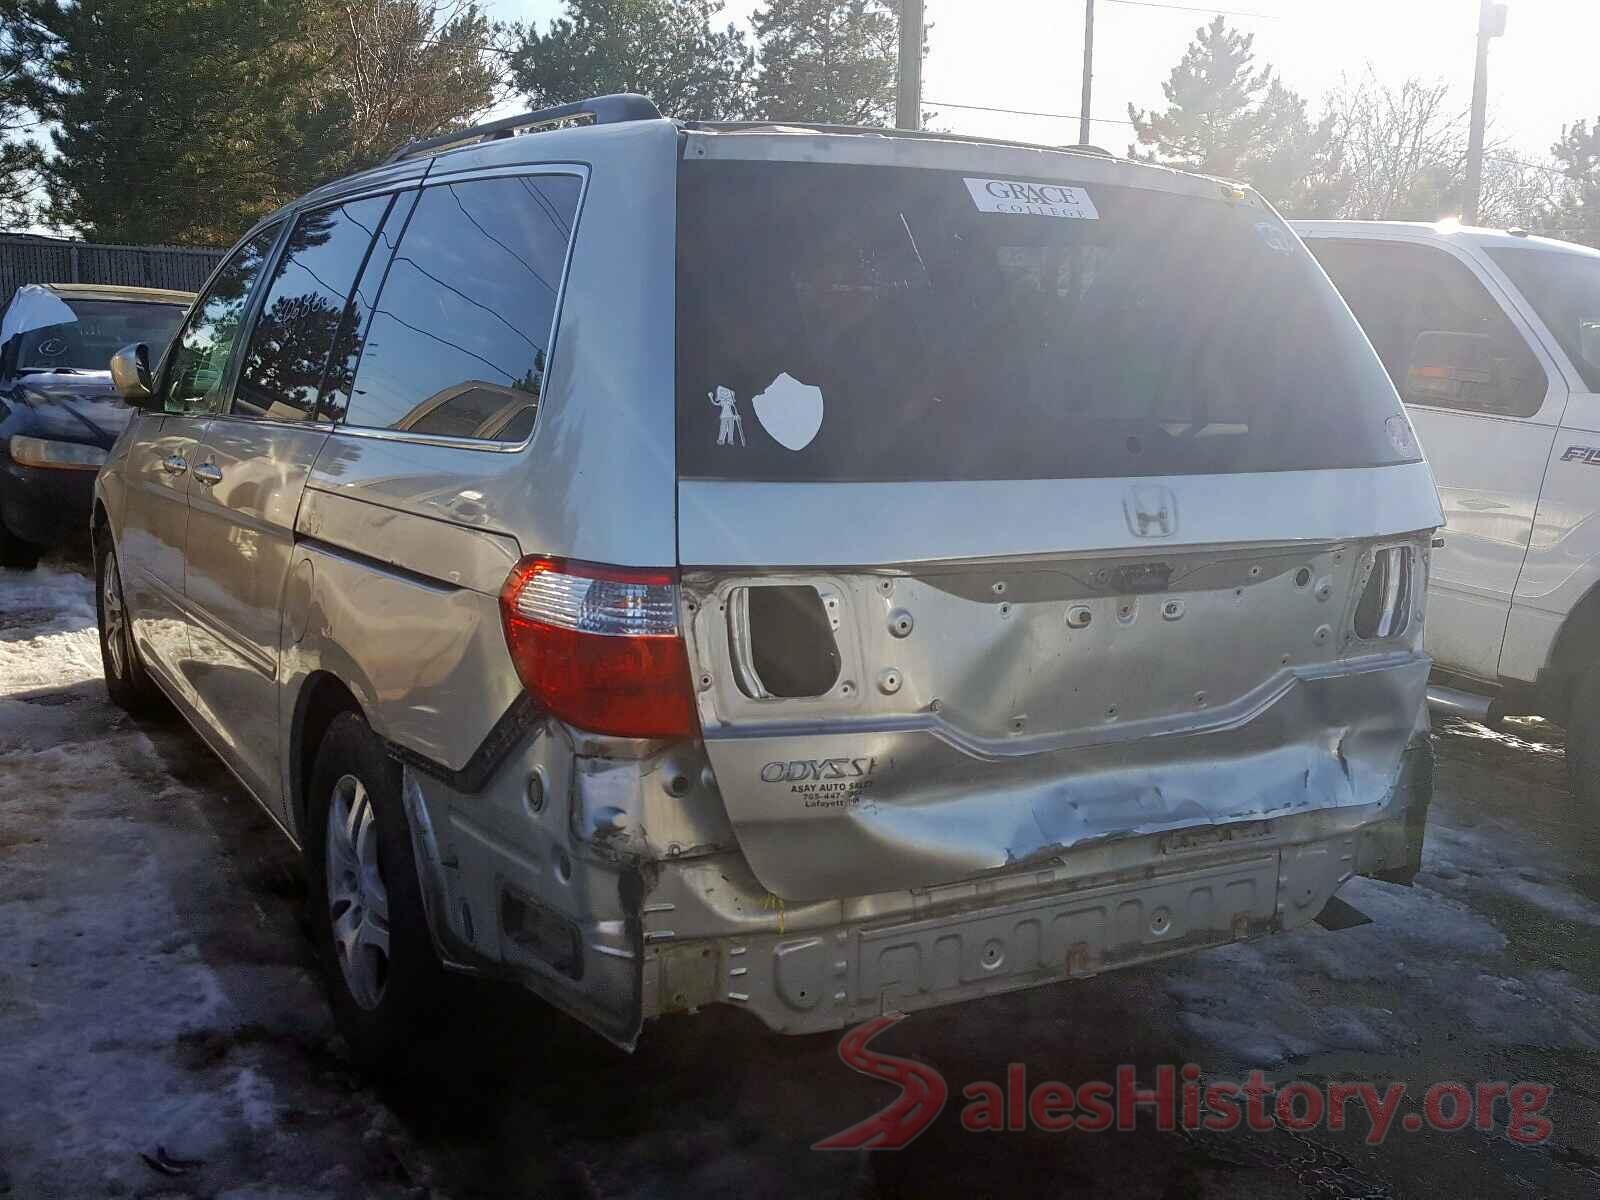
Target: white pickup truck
1493, 340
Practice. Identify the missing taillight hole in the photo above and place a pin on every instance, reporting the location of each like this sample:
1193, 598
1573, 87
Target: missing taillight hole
782, 641
1385, 605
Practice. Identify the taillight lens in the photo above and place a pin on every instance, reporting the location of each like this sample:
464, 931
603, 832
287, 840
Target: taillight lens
1386, 602
599, 646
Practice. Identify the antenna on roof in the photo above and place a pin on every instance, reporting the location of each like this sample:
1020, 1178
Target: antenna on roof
597, 110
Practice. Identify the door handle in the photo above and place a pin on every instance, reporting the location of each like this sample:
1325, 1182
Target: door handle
174, 464
208, 474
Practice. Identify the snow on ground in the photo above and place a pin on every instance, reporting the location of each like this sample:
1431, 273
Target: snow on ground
157, 997
147, 1002
1446, 942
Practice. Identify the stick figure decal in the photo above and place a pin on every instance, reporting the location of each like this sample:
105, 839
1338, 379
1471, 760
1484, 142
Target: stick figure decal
730, 424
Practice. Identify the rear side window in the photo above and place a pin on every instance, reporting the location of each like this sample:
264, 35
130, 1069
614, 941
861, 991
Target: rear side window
883, 323
1442, 337
459, 338
284, 366
201, 355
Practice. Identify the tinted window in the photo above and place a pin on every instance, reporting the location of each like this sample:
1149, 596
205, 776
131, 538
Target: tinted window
358, 314
1443, 339
1564, 289
201, 355
103, 327
283, 367
845, 322
458, 342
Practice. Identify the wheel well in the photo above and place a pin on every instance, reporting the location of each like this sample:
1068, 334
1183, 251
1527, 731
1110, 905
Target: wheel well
1576, 648
323, 698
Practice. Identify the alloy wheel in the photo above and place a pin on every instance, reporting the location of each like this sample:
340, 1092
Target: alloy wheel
114, 619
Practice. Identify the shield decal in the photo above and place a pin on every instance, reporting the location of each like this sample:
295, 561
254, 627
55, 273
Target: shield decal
790, 411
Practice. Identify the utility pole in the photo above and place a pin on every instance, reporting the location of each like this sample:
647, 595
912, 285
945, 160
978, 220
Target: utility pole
1088, 72
1491, 24
908, 95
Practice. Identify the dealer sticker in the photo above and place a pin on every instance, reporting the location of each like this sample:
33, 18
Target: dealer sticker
824, 782
1034, 199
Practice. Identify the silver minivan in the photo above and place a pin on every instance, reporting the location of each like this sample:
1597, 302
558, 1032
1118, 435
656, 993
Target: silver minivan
818, 571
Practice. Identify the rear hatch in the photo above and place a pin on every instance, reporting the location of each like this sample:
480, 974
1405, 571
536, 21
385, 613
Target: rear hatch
1022, 507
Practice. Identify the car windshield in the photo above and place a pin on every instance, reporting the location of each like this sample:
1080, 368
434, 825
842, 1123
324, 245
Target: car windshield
103, 327
885, 323
1564, 289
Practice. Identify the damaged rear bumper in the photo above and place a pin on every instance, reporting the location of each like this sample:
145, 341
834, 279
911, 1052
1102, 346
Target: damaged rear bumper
1094, 909
625, 895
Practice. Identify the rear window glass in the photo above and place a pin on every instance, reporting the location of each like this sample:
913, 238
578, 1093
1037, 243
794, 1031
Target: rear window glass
102, 328
872, 323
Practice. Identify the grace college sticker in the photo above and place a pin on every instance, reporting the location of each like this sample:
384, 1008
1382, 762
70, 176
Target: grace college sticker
1032, 199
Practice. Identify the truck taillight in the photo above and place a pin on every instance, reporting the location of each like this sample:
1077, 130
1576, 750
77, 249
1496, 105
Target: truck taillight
1386, 601
599, 646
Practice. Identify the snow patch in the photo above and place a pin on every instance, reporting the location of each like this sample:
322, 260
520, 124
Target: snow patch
254, 1095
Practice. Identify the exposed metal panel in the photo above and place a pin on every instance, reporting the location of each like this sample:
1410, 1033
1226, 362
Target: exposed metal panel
937, 813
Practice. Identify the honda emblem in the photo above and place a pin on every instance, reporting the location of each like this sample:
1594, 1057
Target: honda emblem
1152, 511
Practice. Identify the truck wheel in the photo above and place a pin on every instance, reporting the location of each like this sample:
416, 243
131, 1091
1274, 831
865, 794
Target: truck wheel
384, 980
129, 685
16, 553
1583, 740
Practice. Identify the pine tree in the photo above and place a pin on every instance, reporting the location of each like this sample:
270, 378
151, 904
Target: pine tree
1226, 118
1212, 97
668, 50
827, 61
176, 120
20, 156
1577, 154
1296, 162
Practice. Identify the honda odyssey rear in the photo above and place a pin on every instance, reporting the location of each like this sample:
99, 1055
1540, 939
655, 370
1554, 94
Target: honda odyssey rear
910, 569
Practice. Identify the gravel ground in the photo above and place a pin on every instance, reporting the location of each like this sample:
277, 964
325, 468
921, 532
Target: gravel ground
163, 1032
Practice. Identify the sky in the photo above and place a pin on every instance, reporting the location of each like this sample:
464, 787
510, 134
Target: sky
1027, 54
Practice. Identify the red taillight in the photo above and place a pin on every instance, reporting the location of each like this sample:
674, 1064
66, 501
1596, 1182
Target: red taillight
599, 646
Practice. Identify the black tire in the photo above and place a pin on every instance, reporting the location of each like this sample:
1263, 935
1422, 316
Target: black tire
16, 553
383, 1028
129, 684
1583, 740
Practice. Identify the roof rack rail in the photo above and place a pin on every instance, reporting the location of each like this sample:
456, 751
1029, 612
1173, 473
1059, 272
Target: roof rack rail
601, 110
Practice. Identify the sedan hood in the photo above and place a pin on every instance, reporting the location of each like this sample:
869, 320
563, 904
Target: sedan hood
75, 408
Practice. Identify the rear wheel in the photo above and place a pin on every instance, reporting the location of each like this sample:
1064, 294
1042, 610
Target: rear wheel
16, 553
1583, 740
384, 980
130, 686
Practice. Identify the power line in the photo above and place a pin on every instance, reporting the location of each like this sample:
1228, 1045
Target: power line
1506, 158
1024, 112
1224, 12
